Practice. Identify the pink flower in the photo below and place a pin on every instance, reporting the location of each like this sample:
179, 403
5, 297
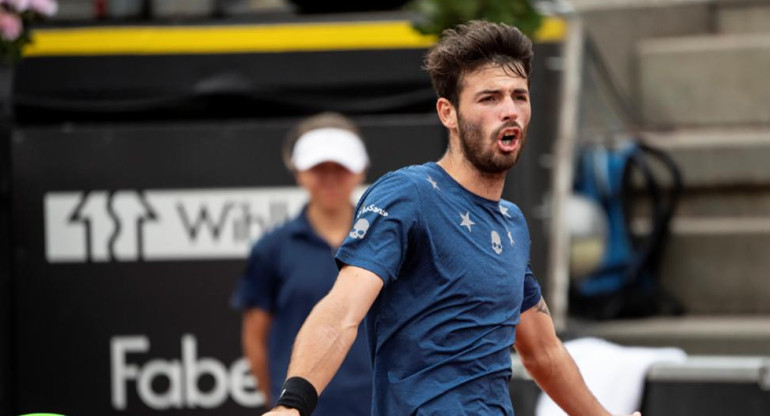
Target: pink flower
10, 26
44, 7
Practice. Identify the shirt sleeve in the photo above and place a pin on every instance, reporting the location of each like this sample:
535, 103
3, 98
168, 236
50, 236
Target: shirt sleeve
532, 293
258, 285
385, 217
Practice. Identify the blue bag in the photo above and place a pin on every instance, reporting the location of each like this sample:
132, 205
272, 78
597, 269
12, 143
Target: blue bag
626, 282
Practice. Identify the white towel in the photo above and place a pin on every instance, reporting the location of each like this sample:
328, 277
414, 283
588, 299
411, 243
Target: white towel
614, 374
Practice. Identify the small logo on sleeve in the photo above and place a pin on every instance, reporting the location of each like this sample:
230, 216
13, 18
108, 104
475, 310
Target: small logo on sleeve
360, 229
372, 208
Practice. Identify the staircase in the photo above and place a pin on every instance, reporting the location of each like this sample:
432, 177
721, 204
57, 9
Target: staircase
700, 74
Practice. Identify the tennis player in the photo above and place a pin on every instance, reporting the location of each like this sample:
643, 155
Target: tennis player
437, 262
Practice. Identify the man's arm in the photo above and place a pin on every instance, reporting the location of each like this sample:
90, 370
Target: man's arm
330, 329
254, 329
549, 363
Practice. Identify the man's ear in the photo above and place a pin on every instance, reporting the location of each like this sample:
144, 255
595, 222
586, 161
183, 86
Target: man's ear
447, 113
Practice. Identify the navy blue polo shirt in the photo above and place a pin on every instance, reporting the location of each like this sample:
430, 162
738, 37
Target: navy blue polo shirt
289, 270
455, 268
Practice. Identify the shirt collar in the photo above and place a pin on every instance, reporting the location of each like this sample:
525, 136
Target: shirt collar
300, 226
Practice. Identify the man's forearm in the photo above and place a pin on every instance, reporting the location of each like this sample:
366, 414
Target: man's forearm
322, 344
556, 373
549, 363
327, 335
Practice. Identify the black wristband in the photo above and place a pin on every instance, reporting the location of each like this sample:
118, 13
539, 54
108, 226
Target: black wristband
298, 393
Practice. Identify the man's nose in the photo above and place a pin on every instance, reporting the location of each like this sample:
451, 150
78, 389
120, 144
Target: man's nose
509, 109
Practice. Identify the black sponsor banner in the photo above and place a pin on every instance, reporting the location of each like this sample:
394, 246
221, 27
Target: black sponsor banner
128, 242
161, 87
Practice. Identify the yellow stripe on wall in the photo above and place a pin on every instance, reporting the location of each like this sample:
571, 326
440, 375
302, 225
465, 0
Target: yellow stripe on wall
165, 40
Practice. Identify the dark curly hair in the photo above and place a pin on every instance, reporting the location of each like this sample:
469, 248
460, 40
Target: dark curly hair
472, 45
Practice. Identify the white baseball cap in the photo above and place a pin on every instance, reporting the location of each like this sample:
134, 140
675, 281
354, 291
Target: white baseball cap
329, 144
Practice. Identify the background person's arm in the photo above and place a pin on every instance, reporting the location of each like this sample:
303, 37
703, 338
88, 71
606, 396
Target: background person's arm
549, 363
255, 326
330, 329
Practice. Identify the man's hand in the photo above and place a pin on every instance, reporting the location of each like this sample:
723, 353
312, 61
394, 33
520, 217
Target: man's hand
282, 411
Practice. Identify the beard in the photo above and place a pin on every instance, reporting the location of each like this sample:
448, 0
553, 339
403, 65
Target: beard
482, 156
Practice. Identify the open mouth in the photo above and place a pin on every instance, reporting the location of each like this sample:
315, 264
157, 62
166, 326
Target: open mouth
507, 138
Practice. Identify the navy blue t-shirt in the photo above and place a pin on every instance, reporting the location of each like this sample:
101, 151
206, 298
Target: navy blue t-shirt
289, 270
456, 279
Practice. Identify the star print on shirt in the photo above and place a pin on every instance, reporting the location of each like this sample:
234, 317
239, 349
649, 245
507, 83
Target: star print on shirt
504, 211
433, 182
467, 221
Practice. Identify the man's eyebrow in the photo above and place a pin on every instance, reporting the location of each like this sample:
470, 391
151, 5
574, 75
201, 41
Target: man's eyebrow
517, 91
484, 92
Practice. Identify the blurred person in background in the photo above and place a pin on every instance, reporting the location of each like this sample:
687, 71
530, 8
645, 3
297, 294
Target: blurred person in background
292, 267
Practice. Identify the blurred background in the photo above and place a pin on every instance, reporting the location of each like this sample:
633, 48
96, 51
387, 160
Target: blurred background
140, 159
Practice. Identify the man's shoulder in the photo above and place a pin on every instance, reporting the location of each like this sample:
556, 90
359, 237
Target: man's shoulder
399, 187
406, 177
509, 208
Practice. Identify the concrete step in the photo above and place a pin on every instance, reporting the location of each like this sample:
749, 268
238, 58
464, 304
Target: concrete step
717, 265
718, 157
616, 26
740, 202
704, 335
744, 18
716, 259
708, 80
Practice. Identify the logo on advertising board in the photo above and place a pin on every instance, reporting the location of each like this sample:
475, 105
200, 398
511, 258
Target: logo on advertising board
153, 225
157, 225
181, 375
